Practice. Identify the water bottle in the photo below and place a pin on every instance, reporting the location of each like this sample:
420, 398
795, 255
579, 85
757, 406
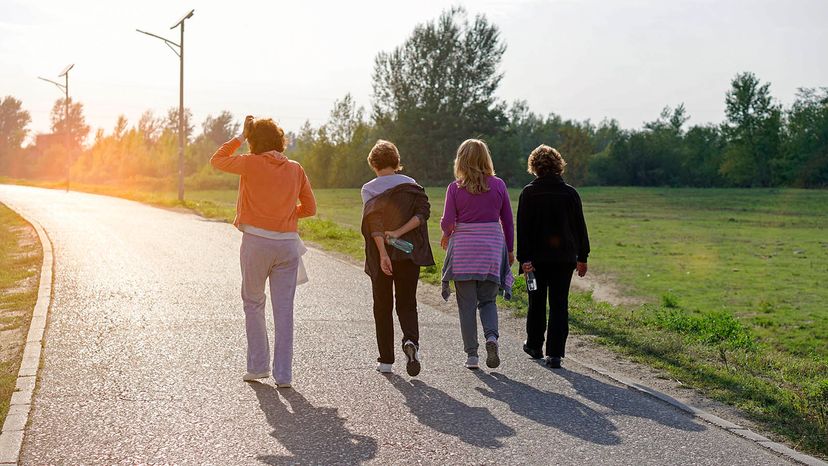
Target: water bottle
400, 244
531, 283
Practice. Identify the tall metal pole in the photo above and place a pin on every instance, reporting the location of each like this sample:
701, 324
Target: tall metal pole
181, 123
178, 49
66, 135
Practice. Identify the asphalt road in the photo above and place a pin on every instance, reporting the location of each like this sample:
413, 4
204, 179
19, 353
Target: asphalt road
145, 352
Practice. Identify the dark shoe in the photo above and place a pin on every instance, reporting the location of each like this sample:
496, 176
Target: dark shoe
553, 362
412, 353
534, 353
492, 358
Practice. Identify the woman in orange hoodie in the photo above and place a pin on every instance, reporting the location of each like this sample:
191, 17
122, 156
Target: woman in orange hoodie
274, 193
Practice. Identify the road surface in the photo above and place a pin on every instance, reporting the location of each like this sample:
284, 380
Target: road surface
145, 352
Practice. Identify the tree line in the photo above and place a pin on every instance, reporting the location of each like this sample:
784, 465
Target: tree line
431, 93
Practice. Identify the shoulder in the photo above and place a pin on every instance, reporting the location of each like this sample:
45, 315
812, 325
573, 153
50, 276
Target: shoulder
498, 183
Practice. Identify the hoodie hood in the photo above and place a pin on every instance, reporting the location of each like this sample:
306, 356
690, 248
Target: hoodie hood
279, 157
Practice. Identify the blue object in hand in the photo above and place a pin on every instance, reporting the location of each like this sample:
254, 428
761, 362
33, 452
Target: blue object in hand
400, 244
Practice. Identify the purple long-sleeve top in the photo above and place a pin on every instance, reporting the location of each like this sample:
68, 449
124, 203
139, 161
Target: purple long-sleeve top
490, 206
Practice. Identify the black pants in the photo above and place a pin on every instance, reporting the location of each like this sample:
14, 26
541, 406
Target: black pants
402, 285
553, 281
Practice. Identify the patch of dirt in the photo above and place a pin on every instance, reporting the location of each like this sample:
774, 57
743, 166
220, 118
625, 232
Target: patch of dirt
604, 289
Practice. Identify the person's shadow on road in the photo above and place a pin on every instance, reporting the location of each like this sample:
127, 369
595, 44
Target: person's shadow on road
550, 409
438, 410
313, 435
627, 402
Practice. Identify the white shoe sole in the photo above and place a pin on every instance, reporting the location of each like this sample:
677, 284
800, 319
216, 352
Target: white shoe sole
253, 376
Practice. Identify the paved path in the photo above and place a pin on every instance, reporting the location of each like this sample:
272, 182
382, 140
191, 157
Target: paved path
145, 352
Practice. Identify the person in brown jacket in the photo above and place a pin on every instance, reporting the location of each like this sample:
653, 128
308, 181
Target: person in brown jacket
394, 207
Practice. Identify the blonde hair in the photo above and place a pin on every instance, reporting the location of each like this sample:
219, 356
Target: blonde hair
473, 165
545, 160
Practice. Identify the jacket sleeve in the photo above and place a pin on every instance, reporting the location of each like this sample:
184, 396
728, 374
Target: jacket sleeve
524, 226
223, 158
581, 235
449, 213
507, 220
307, 201
373, 219
422, 208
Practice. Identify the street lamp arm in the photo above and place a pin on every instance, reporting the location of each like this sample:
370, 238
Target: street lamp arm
169, 42
59, 85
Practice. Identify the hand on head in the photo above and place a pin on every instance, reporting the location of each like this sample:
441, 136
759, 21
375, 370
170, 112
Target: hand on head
248, 126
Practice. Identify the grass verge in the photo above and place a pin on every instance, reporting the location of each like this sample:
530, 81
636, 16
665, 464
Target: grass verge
20, 259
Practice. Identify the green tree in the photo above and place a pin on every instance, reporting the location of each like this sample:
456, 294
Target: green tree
13, 131
437, 89
805, 147
753, 132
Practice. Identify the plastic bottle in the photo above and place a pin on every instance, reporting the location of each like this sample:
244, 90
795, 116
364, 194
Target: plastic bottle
400, 244
531, 283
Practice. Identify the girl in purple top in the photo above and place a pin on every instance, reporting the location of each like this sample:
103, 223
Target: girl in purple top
478, 236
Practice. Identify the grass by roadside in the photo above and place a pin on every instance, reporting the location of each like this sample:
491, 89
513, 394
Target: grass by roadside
20, 259
731, 279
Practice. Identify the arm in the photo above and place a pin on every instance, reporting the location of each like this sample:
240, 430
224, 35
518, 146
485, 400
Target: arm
524, 225
385, 260
506, 220
422, 211
307, 201
449, 212
223, 158
411, 224
581, 231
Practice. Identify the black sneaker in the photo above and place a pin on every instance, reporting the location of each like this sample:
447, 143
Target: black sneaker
413, 354
492, 358
534, 353
553, 362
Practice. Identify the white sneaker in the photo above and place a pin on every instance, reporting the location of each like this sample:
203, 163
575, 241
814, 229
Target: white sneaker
472, 362
385, 368
251, 376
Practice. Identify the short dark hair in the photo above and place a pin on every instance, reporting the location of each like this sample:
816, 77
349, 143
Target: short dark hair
545, 160
384, 154
265, 135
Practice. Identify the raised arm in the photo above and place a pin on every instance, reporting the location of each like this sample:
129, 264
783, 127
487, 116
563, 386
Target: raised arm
224, 160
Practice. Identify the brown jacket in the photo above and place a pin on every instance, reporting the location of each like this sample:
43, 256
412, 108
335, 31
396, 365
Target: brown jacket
389, 211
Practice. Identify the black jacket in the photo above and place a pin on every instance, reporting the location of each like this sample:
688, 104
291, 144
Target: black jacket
389, 211
550, 223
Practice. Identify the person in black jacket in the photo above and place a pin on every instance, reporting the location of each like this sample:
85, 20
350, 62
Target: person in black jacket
395, 206
552, 241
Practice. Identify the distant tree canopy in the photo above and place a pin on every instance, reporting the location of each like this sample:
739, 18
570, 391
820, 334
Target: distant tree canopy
436, 90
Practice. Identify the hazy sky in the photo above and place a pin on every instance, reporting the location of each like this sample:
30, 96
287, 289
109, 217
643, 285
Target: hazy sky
624, 59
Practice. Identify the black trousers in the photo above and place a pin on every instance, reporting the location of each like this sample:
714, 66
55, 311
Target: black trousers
553, 282
402, 285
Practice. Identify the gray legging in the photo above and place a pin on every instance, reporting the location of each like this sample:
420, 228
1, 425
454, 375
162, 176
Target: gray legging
471, 296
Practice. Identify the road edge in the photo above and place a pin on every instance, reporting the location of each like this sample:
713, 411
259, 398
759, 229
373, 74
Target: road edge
20, 405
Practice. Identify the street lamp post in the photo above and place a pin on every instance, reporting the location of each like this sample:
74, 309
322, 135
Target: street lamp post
65, 88
178, 49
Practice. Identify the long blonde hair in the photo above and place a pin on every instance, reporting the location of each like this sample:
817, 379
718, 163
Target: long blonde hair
473, 165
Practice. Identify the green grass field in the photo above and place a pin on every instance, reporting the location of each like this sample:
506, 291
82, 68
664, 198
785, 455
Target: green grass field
733, 285
20, 259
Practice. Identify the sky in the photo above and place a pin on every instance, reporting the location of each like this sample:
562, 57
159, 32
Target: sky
290, 60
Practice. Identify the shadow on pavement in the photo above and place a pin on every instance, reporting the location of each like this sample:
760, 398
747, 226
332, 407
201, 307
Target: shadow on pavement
550, 409
438, 410
312, 435
625, 401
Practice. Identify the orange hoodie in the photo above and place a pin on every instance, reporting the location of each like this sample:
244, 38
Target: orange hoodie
269, 188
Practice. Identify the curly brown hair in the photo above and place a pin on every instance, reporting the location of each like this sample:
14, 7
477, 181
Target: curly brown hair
384, 154
545, 160
264, 135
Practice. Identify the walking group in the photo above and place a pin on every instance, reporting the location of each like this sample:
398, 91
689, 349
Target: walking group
478, 235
